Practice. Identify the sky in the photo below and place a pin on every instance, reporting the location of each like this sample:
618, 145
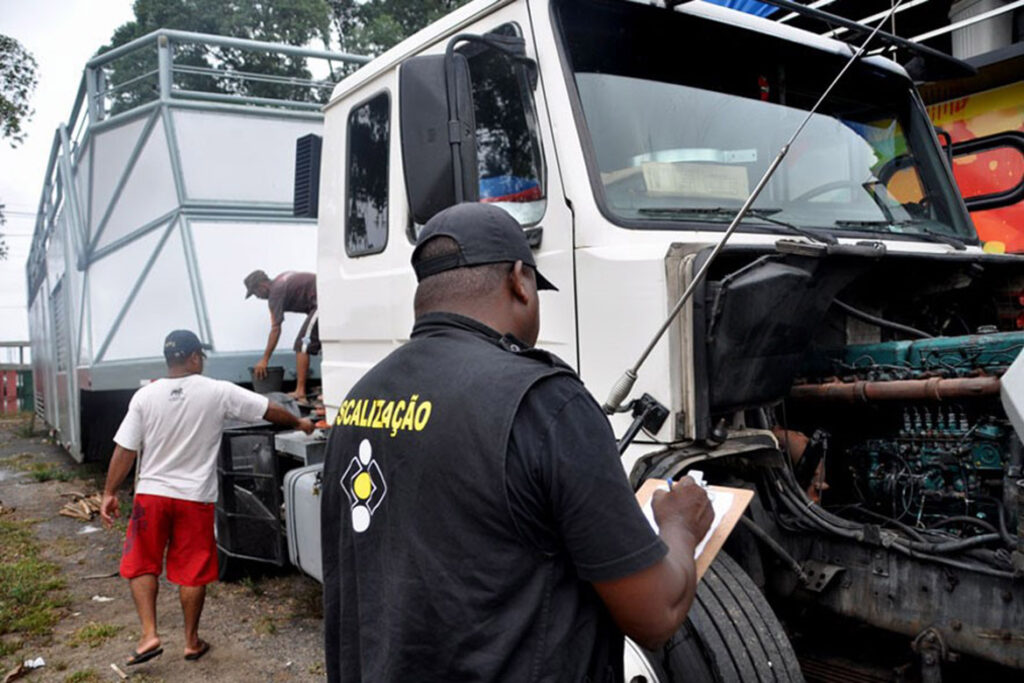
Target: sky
62, 35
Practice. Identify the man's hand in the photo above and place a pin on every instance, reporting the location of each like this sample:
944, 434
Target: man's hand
109, 509
279, 415
259, 371
649, 605
120, 465
687, 505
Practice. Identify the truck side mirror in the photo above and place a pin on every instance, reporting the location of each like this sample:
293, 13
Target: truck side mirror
427, 134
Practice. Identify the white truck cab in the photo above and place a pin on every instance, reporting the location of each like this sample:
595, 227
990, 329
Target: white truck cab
624, 137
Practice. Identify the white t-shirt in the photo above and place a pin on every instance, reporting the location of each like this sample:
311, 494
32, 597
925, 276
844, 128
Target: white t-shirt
175, 425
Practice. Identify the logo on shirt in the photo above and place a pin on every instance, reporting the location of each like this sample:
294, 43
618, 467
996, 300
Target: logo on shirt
364, 485
177, 394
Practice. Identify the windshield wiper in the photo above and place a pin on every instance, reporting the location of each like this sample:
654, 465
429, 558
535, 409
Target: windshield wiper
937, 236
926, 234
764, 214
723, 211
842, 223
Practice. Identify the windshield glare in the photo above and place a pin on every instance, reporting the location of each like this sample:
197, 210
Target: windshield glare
682, 130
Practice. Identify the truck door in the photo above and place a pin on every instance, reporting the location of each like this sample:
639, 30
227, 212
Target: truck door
366, 234
518, 170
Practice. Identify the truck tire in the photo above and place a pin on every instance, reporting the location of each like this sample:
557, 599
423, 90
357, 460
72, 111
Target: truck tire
731, 634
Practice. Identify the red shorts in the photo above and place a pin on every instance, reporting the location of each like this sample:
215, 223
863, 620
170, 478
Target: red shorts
184, 528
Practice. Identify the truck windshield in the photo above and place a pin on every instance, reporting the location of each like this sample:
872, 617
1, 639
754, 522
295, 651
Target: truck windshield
683, 115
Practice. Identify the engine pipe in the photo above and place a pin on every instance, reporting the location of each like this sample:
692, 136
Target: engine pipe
776, 547
933, 389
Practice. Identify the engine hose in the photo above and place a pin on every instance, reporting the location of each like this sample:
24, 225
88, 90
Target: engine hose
905, 528
807, 512
953, 546
788, 485
979, 568
813, 510
994, 558
938, 559
1009, 539
824, 519
903, 549
776, 547
965, 520
881, 322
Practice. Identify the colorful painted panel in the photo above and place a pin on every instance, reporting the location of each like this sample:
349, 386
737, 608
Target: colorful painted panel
993, 170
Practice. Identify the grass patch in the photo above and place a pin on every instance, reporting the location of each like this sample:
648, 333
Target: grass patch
84, 676
46, 471
265, 626
9, 647
27, 428
30, 588
65, 546
16, 462
248, 583
93, 634
96, 472
40, 471
309, 601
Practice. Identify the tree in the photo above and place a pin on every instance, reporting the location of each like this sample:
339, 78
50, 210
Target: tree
17, 82
295, 22
370, 27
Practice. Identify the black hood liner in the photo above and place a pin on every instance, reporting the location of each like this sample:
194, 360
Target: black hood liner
760, 321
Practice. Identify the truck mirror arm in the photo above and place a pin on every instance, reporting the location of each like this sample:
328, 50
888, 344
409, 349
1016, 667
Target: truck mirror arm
512, 47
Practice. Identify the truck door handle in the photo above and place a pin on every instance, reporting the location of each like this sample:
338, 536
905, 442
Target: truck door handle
534, 236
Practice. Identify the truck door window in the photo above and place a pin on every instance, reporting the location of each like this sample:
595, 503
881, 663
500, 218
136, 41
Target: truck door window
366, 186
509, 159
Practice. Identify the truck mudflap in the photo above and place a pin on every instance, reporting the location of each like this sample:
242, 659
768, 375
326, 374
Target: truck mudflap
302, 518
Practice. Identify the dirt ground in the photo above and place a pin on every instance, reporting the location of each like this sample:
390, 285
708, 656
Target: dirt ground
263, 628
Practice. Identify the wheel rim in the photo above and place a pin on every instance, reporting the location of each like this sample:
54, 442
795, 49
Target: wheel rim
635, 665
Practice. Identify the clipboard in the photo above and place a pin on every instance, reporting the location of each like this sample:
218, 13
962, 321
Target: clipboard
728, 503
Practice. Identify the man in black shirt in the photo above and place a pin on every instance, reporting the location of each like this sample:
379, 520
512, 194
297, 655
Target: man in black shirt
476, 520
292, 292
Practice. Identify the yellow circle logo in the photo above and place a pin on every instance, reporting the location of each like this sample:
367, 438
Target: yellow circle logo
362, 486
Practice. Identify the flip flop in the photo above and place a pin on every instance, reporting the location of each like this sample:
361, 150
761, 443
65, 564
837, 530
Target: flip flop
140, 657
196, 655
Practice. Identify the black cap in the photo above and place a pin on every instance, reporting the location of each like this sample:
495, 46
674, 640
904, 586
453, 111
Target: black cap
180, 344
485, 234
253, 280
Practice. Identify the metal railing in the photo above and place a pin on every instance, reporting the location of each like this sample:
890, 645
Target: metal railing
174, 68
16, 388
9, 350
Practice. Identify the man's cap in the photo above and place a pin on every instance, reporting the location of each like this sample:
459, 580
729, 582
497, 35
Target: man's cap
485, 234
180, 344
253, 280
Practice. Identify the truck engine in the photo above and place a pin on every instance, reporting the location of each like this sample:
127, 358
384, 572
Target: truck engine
858, 391
920, 437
